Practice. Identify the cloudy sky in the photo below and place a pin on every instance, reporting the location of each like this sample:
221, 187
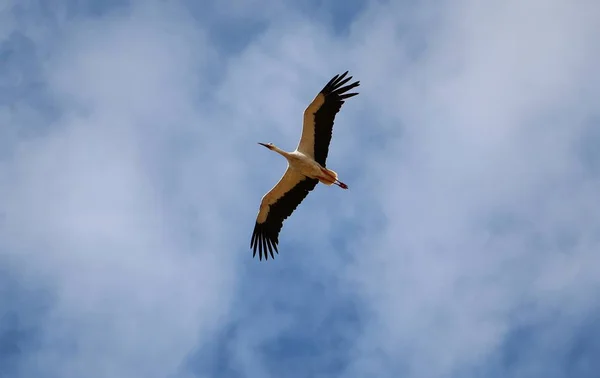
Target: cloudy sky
468, 244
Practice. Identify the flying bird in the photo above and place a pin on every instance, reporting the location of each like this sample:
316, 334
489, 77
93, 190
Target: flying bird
306, 165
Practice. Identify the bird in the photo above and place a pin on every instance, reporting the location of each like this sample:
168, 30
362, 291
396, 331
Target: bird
306, 166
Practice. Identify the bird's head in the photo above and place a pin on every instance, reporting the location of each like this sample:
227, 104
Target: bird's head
270, 146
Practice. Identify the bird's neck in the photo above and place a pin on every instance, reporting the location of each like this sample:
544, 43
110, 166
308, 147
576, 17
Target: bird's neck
281, 152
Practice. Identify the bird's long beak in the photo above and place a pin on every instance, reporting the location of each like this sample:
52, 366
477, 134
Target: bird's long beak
263, 144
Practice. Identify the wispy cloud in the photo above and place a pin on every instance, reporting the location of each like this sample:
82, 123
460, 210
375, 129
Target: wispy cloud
130, 179
491, 216
87, 212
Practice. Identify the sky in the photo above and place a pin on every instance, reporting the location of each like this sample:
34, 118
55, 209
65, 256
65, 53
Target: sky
130, 178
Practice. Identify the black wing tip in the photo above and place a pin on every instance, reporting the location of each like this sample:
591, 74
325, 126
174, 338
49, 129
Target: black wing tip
334, 86
262, 242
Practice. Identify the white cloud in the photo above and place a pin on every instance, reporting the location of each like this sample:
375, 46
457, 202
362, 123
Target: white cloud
493, 110
86, 213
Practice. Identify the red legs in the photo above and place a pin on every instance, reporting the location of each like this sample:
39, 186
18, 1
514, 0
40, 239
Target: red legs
341, 184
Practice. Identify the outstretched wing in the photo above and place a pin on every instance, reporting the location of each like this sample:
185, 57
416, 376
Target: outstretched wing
275, 207
319, 116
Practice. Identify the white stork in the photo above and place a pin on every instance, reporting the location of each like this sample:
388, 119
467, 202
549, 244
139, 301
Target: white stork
306, 165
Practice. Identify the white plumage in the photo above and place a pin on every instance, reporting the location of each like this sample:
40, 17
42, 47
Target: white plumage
306, 165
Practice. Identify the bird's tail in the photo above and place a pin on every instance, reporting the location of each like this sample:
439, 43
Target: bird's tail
333, 173
330, 176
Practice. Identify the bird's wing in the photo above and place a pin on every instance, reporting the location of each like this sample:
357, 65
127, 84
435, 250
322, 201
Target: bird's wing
319, 115
275, 207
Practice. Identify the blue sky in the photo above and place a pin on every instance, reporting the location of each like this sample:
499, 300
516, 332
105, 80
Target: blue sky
130, 179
